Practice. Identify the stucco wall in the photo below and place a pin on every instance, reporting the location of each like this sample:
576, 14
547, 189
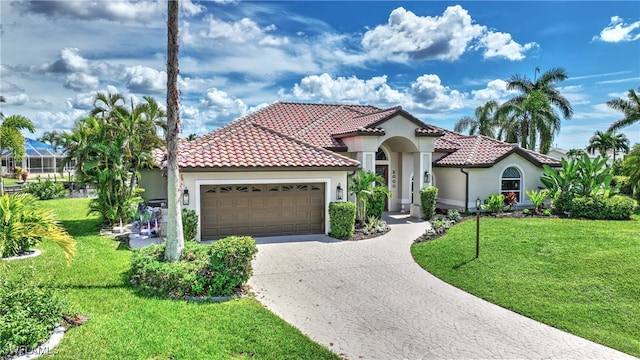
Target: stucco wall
484, 181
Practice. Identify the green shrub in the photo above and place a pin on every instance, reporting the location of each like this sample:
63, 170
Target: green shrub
617, 207
46, 190
375, 205
189, 224
561, 202
231, 263
625, 187
494, 204
428, 201
537, 197
342, 218
203, 270
29, 313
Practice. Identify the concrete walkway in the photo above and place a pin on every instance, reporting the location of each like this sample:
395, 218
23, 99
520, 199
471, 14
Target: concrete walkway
369, 300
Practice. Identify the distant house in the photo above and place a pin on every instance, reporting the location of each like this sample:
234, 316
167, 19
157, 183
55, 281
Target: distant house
40, 159
274, 172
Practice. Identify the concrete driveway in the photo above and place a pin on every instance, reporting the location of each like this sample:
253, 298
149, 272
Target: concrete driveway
369, 300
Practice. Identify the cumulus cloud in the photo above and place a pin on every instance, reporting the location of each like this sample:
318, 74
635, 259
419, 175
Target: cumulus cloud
443, 37
495, 90
618, 31
81, 82
501, 45
429, 94
113, 10
143, 79
18, 99
70, 61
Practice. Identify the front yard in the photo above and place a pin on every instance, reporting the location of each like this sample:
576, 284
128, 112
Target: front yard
576, 275
125, 324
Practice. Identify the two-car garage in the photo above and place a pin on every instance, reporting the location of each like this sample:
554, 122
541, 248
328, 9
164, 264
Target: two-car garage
262, 209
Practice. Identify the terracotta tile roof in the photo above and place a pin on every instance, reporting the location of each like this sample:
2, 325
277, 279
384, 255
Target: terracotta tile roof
482, 151
299, 135
243, 144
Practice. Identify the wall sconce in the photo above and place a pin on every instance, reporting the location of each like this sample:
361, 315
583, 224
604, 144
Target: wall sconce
185, 197
427, 177
478, 204
339, 192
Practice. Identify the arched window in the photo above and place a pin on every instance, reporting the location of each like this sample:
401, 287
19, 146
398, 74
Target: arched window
380, 155
511, 181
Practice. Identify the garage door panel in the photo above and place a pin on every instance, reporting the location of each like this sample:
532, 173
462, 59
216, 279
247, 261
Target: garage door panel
262, 209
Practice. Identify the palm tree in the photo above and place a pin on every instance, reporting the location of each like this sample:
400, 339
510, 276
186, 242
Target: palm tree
53, 138
532, 114
175, 236
105, 104
605, 141
575, 153
365, 185
630, 107
631, 168
12, 140
2, 100
484, 122
24, 225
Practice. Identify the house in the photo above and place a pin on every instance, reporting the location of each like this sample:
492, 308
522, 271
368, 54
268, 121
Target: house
40, 159
275, 171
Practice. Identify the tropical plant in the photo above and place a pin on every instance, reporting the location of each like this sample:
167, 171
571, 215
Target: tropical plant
630, 107
12, 140
484, 122
531, 118
537, 198
23, 225
46, 190
631, 168
365, 185
494, 204
605, 141
110, 149
575, 153
53, 138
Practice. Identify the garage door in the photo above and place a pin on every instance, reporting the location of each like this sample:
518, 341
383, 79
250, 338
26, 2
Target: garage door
262, 209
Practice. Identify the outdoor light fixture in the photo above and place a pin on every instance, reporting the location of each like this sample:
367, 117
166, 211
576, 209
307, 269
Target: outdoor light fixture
185, 197
427, 177
339, 192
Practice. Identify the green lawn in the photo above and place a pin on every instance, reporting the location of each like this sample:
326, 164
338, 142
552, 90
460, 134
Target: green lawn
125, 324
576, 275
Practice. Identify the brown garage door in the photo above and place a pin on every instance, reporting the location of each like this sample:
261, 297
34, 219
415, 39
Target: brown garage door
262, 209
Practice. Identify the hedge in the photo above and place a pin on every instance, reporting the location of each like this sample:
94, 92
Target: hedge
428, 201
342, 219
617, 207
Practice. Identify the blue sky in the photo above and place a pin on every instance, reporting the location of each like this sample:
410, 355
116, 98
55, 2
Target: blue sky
438, 60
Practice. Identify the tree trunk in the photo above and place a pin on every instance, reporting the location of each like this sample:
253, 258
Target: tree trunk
175, 237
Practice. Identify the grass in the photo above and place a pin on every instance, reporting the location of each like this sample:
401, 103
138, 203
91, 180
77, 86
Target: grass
127, 325
576, 275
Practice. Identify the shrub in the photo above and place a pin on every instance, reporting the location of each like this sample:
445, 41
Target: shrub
561, 202
617, 207
24, 225
342, 218
375, 206
510, 199
537, 198
494, 204
428, 201
189, 224
526, 211
216, 270
29, 313
624, 184
453, 214
46, 190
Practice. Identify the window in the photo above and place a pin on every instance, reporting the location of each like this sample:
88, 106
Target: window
380, 155
511, 182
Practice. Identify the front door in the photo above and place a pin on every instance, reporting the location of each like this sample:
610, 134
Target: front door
383, 170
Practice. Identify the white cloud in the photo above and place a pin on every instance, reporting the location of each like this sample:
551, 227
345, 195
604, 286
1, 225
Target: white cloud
618, 31
443, 37
244, 30
112, 10
341, 89
19, 99
495, 90
429, 94
217, 107
70, 61
81, 82
143, 79
499, 44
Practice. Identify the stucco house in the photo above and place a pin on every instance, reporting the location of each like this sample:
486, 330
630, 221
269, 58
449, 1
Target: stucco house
274, 172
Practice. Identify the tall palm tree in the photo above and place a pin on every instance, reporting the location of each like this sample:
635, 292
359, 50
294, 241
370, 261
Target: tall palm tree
175, 237
105, 104
12, 140
484, 122
631, 168
53, 138
2, 100
534, 119
630, 107
605, 141
575, 153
